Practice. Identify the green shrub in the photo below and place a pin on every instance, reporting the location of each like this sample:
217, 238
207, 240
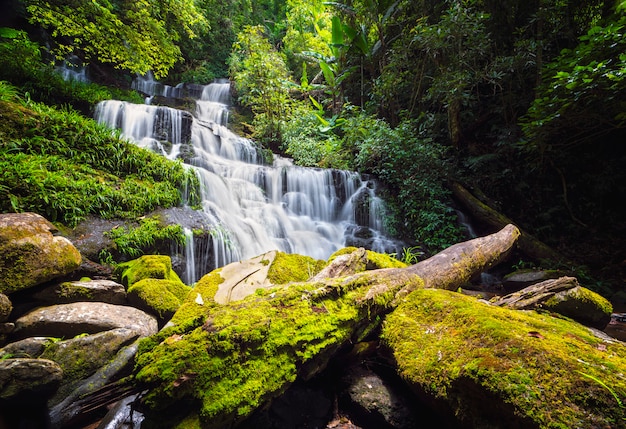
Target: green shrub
414, 170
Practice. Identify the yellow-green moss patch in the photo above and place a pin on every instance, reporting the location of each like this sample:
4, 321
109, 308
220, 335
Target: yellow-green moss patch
146, 267
158, 296
488, 362
233, 358
293, 268
374, 260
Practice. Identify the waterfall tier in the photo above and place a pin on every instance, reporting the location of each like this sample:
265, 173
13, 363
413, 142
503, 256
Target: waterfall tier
253, 207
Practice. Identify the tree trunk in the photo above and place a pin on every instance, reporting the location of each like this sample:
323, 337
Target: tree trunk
527, 244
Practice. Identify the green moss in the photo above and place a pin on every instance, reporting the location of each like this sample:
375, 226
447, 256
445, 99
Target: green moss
451, 346
293, 268
158, 296
248, 351
69, 290
200, 298
374, 260
585, 296
146, 267
381, 260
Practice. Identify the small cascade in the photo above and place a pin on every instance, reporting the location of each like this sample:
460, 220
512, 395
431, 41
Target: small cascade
253, 207
147, 85
148, 126
190, 257
71, 70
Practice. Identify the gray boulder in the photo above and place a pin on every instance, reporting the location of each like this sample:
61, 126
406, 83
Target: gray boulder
84, 291
69, 320
31, 347
32, 377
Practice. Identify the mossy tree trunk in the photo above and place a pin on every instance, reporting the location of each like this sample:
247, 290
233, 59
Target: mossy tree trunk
528, 244
228, 360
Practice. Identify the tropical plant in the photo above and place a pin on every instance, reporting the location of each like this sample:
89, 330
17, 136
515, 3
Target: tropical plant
134, 241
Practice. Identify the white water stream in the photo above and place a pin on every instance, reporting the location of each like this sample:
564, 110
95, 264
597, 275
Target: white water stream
254, 207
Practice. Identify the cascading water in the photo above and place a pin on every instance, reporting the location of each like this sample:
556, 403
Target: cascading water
254, 207
71, 70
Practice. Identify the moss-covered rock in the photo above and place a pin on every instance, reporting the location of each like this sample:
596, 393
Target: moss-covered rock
496, 367
146, 267
224, 361
293, 268
158, 296
5, 307
582, 305
374, 260
30, 254
83, 355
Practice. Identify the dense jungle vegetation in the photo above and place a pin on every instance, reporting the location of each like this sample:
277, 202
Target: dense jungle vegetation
522, 101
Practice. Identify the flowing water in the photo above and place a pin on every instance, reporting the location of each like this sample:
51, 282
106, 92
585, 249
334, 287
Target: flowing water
252, 207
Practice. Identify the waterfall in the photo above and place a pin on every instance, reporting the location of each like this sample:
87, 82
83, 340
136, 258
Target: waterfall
190, 257
253, 207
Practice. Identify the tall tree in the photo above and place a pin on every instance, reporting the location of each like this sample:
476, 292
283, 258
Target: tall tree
260, 76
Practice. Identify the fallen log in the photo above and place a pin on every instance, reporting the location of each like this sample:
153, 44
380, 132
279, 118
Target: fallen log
564, 296
218, 363
527, 243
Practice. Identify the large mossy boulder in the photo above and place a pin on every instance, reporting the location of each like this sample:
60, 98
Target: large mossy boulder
158, 296
146, 267
496, 367
30, 254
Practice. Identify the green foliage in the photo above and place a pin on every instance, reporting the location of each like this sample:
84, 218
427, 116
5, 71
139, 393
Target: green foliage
304, 141
134, 241
65, 167
260, 73
138, 36
414, 170
582, 93
22, 65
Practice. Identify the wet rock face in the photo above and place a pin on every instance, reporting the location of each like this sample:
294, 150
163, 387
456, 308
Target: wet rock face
30, 254
22, 377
